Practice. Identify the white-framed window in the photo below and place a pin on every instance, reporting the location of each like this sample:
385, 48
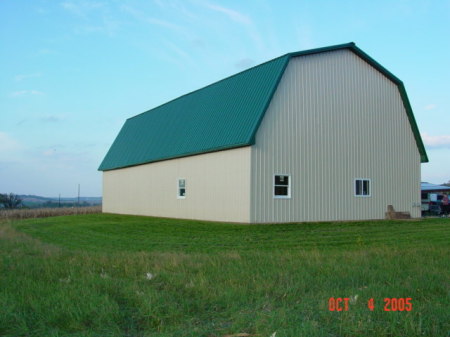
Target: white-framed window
181, 188
282, 186
362, 187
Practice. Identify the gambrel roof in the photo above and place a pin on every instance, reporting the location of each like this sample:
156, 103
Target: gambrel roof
223, 115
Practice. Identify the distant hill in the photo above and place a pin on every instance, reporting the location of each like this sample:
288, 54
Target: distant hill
36, 201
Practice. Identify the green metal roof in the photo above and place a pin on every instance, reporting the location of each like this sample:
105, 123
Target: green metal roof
220, 116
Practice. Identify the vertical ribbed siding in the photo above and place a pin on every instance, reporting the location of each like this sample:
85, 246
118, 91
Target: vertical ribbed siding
334, 118
217, 187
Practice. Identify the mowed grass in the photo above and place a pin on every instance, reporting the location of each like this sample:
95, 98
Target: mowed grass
113, 275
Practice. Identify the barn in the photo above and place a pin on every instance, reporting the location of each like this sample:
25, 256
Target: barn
318, 135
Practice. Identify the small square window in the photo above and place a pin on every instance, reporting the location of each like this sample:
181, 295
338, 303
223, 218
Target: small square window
282, 186
362, 187
181, 189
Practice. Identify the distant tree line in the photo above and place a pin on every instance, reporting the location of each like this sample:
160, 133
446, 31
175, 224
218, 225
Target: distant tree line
13, 201
55, 204
10, 201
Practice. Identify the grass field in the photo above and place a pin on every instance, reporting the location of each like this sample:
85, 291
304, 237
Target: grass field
112, 275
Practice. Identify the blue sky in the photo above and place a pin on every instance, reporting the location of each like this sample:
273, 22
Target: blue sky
73, 71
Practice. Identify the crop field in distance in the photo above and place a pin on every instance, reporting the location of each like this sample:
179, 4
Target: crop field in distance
117, 275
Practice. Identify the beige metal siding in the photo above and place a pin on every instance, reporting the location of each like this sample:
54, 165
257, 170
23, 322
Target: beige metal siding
217, 187
334, 118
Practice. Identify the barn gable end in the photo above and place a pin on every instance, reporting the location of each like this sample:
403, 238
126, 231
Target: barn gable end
333, 119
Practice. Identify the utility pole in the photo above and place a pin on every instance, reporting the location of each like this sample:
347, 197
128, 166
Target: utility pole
78, 195
59, 200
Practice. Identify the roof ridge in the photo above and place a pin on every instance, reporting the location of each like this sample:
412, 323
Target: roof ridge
323, 49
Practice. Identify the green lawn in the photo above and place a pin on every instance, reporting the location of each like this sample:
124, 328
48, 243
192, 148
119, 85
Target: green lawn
88, 275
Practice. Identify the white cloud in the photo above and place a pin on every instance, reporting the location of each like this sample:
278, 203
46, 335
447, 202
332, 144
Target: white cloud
105, 25
165, 24
26, 93
45, 51
160, 3
49, 152
7, 143
232, 14
436, 141
244, 20
133, 11
176, 6
245, 63
22, 77
180, 52
96, 17
430, 107
52, 119
81, 8
70, 7
154, 21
